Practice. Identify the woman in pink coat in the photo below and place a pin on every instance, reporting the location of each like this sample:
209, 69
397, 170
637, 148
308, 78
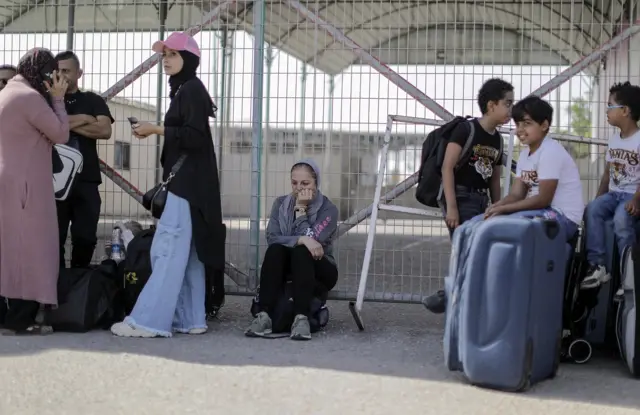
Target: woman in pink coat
32, 119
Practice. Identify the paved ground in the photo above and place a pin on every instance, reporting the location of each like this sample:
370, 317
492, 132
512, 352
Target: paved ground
396, 366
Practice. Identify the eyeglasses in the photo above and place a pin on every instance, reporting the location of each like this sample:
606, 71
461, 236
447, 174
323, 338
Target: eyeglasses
612, 107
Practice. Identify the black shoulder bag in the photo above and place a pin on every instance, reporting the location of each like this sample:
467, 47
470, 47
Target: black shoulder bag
155, 199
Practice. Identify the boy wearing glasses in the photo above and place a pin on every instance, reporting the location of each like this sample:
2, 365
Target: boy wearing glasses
618, 194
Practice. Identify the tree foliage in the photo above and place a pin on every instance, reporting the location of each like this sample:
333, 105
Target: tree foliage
580, 124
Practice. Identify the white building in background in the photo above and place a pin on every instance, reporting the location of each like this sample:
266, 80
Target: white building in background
133, 159
349, 161
349, 169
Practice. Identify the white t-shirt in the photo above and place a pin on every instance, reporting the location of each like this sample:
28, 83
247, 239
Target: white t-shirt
552, 162
623, 154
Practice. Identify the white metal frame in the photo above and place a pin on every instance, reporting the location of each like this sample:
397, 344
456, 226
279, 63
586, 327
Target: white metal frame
356, 307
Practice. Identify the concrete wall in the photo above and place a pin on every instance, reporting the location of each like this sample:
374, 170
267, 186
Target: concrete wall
142, 159
349, 176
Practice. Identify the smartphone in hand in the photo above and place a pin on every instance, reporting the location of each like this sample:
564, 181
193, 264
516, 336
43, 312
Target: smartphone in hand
46, 72
133, 121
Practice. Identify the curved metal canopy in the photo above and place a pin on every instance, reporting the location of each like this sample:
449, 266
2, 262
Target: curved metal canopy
525, 32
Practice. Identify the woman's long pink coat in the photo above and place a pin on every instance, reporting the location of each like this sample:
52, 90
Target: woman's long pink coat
29, 251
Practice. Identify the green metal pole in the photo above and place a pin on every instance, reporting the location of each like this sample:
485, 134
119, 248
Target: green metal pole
222, 109
256, 123
267, 138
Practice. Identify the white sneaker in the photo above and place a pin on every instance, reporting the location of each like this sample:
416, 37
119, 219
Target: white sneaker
596, 275
123, 329
194, 331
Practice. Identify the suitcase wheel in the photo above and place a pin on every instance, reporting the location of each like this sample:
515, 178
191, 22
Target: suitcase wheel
580, 351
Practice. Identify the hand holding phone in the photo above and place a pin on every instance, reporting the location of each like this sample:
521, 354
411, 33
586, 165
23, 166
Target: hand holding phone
58, 85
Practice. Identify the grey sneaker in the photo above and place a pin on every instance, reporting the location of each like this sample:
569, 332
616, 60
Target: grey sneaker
300, 329
260, 326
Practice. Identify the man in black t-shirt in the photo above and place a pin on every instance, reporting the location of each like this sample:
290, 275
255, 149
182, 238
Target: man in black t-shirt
467, 190
89, 120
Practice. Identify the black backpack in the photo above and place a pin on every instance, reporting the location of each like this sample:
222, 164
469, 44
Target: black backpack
136, 267
429, 189
282, 315
136, 271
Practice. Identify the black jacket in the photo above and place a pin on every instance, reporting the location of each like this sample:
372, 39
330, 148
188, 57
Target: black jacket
187, 131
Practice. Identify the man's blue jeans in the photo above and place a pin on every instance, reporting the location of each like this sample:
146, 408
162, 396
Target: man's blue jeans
603, 208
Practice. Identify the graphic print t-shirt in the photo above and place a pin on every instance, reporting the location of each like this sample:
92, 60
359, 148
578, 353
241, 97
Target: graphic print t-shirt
552, 162
623, 156
485, 153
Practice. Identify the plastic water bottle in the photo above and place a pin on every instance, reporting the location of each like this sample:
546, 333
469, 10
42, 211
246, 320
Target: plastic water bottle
116, 246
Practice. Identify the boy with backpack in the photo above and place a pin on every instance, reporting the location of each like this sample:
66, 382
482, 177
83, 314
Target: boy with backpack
471, 164
469, 177
618, 196
547, 179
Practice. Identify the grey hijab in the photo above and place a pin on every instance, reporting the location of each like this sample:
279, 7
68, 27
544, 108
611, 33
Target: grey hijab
286, 217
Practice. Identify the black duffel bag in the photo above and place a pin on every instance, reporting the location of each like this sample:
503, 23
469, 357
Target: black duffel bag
85, 298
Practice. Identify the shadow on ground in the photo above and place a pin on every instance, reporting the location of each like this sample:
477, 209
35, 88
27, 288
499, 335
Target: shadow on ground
399, 341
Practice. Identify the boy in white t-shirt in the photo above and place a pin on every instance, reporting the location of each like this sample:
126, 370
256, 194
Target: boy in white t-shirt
618, 195
547, 179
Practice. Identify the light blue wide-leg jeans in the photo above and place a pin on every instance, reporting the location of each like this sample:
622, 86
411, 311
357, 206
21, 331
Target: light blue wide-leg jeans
173, 298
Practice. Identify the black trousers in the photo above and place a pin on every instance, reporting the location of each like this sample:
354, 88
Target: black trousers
18, 314
309, 277
82, 211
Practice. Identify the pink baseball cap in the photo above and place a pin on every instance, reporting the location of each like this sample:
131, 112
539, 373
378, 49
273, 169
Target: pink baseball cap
177, 41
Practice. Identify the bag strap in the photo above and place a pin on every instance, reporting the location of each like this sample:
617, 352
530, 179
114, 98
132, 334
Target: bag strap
461, 160
500, 159
180, 162
175, 168
467, 145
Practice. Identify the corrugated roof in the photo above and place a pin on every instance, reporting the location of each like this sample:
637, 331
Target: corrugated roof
399, 31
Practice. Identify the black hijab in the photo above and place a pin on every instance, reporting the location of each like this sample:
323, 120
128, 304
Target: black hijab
188, 72
30, 68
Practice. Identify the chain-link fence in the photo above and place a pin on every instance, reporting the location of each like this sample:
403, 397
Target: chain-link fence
318, 79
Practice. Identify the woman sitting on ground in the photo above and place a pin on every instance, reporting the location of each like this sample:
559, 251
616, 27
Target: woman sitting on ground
300, 235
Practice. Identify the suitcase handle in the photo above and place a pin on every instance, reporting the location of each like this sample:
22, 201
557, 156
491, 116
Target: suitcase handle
551, 228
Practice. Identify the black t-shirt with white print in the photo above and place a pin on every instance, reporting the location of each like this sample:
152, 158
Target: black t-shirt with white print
485, 150
87, 102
